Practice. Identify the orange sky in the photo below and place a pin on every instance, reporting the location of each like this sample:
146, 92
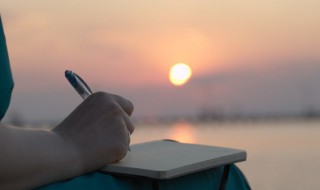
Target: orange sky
121, 45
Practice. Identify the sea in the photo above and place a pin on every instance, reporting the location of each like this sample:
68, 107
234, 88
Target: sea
281, 154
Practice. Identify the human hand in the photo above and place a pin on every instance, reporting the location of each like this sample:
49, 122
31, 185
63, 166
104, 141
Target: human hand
98, 130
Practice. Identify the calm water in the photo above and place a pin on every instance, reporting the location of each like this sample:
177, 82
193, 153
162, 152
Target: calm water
281, 155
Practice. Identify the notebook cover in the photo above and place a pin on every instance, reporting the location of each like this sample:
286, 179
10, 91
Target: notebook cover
168, 159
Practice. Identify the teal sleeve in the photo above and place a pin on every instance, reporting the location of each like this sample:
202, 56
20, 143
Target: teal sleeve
6, 81
204, 180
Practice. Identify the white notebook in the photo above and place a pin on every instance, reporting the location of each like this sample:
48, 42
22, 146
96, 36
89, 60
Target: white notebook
168, 159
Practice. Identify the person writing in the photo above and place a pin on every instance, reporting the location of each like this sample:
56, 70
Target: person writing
68, 156
93, 135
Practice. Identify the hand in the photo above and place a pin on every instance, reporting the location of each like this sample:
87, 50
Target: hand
98, 129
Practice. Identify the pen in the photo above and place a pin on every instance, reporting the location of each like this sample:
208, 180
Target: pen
80, 86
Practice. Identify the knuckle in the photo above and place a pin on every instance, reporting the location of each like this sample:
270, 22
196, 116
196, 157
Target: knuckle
114, 109
127, 104
100, 94
109, 100
130, 106
107, 103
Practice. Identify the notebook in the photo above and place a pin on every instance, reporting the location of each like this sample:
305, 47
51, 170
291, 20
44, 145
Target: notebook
167, 159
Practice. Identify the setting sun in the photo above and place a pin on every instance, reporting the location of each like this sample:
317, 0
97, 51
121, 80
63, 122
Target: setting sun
179, 74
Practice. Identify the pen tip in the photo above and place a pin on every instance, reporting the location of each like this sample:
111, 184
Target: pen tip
67, 72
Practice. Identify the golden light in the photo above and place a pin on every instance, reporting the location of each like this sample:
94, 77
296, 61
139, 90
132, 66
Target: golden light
183, 132
179, 74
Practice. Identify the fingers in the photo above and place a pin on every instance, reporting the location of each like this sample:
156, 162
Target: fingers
125, 104
116, 102
128, 123
127, 107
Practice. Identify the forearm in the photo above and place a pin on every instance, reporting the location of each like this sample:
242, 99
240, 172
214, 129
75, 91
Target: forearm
31, 158
93, 135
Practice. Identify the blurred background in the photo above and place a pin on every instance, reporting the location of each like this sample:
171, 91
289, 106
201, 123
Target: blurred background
253, 81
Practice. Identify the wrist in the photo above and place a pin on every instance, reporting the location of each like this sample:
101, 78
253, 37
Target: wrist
71, 161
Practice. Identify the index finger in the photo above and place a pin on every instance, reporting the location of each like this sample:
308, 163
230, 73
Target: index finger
125, 104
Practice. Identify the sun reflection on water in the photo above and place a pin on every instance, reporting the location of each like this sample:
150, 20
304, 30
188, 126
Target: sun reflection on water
182, 132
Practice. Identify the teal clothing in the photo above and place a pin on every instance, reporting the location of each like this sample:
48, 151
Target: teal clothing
204, 180
6, 82
209, 179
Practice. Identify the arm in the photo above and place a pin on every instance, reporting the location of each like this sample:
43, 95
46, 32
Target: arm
34, 157
93, 135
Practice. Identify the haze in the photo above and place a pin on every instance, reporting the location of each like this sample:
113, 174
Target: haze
247, 57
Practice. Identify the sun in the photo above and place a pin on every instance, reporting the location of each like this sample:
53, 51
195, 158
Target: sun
179, 74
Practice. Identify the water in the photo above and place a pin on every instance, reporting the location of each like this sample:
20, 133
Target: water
281, 155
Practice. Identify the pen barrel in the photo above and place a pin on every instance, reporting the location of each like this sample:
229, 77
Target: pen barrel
83, 90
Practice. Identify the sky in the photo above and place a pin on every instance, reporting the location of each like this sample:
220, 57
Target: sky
247, 57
